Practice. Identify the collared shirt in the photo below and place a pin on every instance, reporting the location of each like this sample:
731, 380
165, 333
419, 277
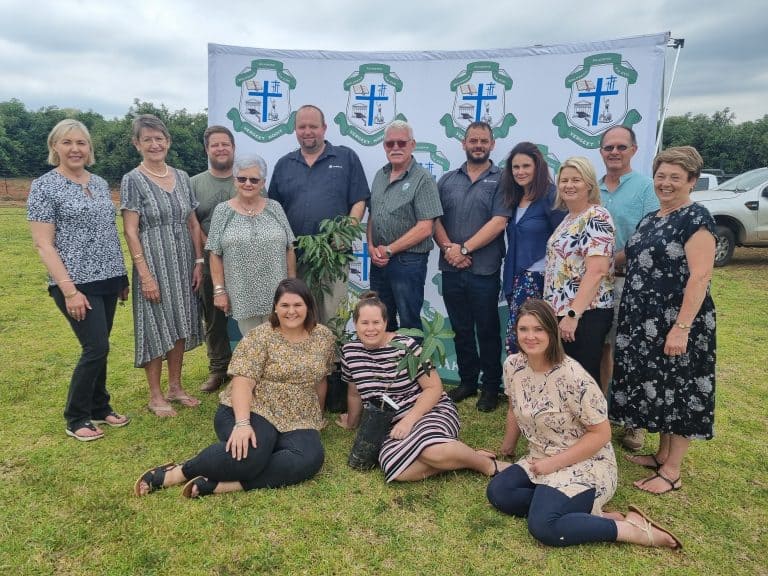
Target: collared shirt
396, 207
633, 198
467, 207
210, 191
310, 194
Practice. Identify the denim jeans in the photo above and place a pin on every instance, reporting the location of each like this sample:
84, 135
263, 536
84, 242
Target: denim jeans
554, 518
279, 459
472, 304
88, 397
400, 285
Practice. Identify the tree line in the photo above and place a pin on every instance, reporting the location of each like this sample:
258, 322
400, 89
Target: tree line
724, 144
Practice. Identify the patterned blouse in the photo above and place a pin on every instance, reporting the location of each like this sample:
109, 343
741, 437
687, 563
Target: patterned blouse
253, 249
285, 373
573, 241
553, 411
85, 230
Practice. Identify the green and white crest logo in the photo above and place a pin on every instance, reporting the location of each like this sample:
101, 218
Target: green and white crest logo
264, 111
480, 94
599, 99
431, 159
371, 103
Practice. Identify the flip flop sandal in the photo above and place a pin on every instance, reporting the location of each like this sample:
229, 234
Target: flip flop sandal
655, 466
184, 400
204, 487
162, 411
90, 426
649, 525
673, 484
154, 478
122, 420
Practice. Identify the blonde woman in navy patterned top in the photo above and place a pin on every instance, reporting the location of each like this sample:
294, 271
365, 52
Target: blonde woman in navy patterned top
164, 239
424, 437
72, 218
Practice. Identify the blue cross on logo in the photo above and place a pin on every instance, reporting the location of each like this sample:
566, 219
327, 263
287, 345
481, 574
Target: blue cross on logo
364, 255
266, 95
371, 98
484, 92
599, 93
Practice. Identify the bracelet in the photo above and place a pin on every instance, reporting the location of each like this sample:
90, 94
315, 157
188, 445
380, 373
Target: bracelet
137, 257
219, 287
199, 260
242, 423
72, 295
60, 282
682, 326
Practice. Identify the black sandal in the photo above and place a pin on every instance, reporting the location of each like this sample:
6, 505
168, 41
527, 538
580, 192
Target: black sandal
674, 485
655, 466
154, 478
204, 486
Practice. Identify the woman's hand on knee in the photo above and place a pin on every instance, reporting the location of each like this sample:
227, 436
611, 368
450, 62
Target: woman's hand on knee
239, 440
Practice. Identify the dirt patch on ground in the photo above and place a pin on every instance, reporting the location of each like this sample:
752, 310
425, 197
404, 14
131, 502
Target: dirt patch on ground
14, 191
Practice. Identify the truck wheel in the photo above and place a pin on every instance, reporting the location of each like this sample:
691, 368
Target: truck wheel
725, 245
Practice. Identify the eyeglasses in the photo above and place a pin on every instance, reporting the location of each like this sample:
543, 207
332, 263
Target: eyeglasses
619, 147
389, 144
244, 179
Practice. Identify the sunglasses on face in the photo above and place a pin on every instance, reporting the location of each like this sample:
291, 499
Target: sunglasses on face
252, 180
389, 144
620, 148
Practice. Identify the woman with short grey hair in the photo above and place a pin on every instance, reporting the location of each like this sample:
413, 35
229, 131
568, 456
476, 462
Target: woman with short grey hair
251, 247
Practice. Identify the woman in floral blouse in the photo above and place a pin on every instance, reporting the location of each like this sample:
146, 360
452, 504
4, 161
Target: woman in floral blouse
569, 473
269, 418
72, 218
578, 276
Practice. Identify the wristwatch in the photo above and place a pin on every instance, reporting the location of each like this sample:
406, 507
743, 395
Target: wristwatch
464, 250
571, 313
388, 252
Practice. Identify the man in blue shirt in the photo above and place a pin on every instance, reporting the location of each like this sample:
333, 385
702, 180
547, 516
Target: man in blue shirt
471, 243
628, 196
316, 182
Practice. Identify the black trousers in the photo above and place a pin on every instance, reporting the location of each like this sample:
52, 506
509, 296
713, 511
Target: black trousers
88, 398
587, 347
279, 459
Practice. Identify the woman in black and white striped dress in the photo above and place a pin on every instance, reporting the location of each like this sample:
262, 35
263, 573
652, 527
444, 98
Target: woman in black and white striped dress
424, 436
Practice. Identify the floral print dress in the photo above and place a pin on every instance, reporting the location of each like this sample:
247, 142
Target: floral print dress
553, 411
651, 390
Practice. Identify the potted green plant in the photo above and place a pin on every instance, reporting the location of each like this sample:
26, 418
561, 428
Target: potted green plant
324, 258
431, 335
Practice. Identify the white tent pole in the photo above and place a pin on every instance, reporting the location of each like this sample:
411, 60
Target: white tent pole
677, 44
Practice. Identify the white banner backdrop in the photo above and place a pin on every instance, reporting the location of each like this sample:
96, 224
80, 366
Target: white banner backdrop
560, 97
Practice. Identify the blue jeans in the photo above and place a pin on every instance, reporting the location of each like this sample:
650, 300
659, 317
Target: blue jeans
400, 285
472, 304
554, 519
88, 398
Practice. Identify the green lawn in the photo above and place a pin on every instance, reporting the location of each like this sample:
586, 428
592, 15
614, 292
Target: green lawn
68, 508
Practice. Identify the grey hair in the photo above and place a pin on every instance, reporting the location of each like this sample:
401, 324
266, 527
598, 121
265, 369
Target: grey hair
400, 125
250, 161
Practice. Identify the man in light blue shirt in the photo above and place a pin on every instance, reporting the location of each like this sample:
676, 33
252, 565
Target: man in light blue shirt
628, 196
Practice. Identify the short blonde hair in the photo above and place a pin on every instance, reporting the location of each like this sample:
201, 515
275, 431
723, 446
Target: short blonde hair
62, 129
585, 169
687, 157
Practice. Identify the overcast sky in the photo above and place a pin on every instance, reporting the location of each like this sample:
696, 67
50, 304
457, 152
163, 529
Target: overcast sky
100, 55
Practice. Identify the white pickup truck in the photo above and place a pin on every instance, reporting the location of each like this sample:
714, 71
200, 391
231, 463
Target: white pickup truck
740, 209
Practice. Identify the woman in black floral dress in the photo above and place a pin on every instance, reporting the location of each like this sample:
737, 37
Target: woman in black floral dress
665, 346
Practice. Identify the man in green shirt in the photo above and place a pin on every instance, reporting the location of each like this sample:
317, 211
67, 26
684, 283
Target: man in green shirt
212, 187
403, 206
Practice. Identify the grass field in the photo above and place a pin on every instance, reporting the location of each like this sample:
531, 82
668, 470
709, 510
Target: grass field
68, 508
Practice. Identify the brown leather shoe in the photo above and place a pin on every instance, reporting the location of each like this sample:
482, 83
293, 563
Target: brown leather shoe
214, 382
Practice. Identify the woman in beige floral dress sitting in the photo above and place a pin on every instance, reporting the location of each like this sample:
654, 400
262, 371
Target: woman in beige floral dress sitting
269, 418
569, 473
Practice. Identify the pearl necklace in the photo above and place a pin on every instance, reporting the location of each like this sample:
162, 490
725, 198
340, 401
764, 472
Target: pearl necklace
155, 173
